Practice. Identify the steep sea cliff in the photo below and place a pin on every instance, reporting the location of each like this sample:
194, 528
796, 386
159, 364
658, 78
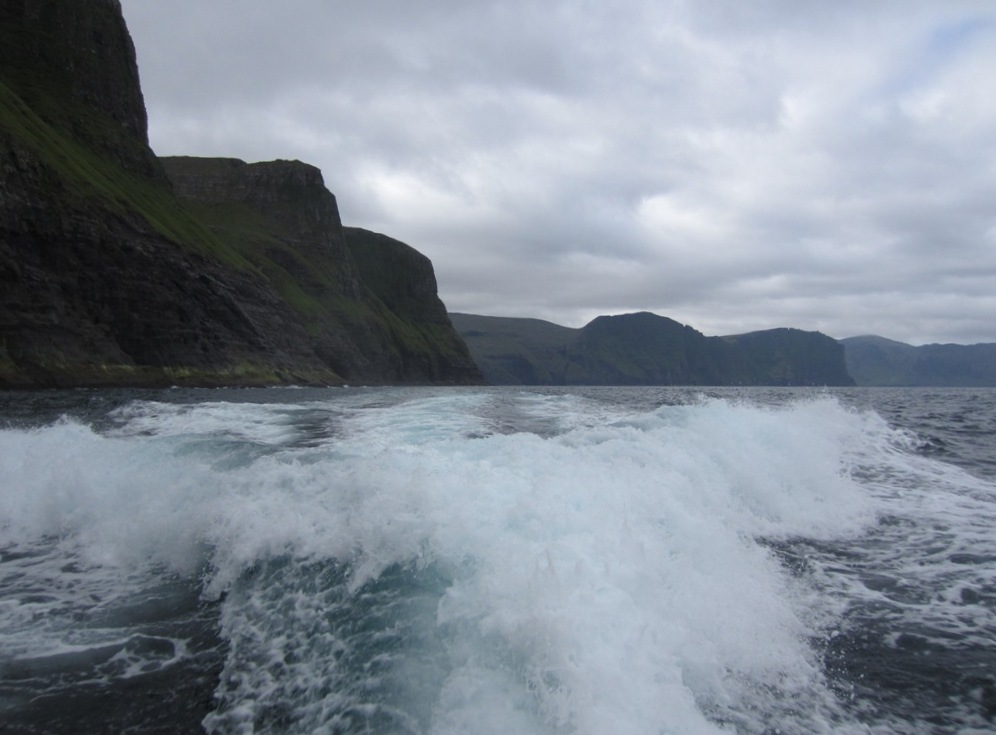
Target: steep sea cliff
109, 278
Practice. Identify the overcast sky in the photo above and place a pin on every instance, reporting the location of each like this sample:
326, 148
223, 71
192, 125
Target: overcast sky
824, 164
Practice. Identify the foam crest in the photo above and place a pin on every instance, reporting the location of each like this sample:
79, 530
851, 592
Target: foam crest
115, 502
419, 421
608, 575
268, 423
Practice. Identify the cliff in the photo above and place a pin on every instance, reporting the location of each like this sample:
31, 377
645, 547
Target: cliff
876, 361
787, 356
368, 303
646, 349
402, 279
73, 65
107, 279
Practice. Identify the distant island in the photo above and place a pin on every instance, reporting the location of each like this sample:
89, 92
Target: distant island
646, 349
877, 361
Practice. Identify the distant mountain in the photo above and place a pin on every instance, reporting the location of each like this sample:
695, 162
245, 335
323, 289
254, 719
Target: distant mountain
645, 349
516, 351
877, 361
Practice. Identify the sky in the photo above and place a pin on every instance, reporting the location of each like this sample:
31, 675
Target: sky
826, 165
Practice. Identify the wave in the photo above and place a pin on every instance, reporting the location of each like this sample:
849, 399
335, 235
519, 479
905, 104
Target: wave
478, 561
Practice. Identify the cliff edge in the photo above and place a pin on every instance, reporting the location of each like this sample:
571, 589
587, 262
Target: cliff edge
367, 302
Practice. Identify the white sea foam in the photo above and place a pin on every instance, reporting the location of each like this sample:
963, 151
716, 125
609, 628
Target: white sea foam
268, 423
598, 570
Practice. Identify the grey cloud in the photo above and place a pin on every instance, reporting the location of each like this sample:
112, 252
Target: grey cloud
819, 165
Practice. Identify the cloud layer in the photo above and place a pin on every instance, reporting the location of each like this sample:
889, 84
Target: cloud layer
734, 166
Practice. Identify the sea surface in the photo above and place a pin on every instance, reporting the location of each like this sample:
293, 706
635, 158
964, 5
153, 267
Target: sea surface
586, 561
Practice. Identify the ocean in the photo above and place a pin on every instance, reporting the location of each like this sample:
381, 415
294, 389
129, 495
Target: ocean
546, 561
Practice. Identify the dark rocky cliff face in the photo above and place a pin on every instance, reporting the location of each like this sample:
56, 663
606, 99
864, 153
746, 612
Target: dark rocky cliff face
398, 274
290, 195
402, 279
91, 294
105, 278
73, 63
285, 200
368, 303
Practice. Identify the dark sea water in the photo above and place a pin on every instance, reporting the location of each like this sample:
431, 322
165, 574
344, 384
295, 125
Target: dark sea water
549, 561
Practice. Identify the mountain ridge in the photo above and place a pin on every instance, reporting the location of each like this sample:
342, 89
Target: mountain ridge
645, 349
881, 362
529, 351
